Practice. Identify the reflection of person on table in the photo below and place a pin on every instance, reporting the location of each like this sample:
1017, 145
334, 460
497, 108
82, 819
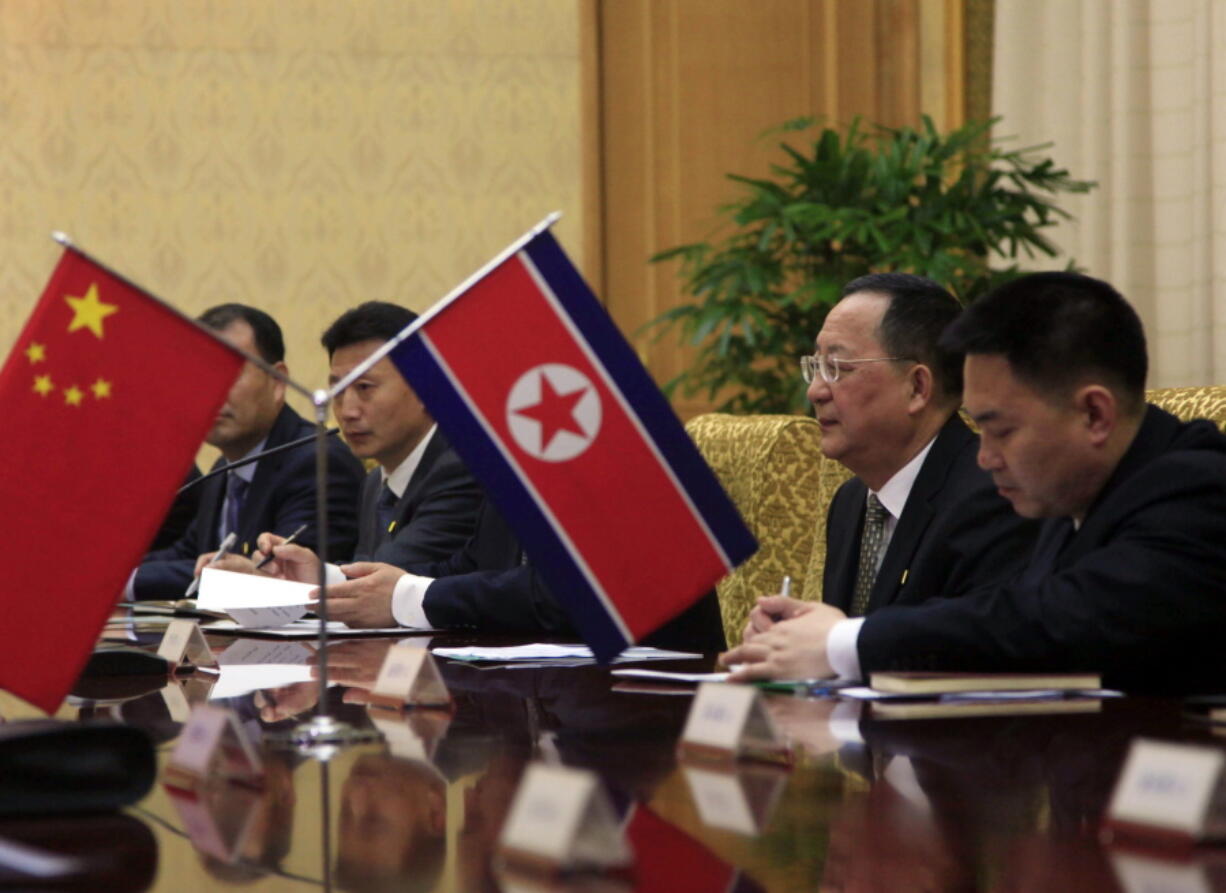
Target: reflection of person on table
393, 825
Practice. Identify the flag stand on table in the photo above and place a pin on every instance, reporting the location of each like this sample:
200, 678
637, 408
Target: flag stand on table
552, 411
95, 373
322, 736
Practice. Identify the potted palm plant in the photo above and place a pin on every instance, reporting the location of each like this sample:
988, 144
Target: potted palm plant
915, 200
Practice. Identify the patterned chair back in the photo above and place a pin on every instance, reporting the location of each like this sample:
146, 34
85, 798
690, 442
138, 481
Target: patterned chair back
773, 468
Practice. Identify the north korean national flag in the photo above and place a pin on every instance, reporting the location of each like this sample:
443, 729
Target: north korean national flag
543, 398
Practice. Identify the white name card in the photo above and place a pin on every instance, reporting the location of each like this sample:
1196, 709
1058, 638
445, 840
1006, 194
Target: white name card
183, 643
1171, 789
738, 797
212, 745
409, 677
730, 720
561, 818
1143, 874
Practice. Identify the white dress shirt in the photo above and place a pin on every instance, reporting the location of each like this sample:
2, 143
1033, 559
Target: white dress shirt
841, 641
406, 597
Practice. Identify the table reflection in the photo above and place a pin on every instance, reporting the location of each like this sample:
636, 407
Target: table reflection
986, 803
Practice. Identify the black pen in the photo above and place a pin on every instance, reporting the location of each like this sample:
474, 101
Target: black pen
285, 542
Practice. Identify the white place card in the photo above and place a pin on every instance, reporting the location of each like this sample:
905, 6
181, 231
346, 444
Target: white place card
736, 797
218, 819
409, 677
212, 745
183, 643
412, 734
1144, 874
1171, 789
561, 818
730, 720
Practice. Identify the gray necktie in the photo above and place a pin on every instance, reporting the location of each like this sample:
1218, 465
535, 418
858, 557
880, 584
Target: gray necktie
875, 516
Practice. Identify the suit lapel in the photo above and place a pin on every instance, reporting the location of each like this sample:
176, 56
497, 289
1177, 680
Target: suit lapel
918, 511
261, 489
435, 448
212, 492
843, 543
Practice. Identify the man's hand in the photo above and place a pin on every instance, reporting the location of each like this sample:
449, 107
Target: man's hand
365, 600
240, 564
771, 609
791, 649
292, 562
354, 662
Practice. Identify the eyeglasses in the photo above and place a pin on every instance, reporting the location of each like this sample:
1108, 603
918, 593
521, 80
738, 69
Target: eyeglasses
830, 368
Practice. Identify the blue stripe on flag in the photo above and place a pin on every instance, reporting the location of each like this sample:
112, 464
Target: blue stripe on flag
644, 398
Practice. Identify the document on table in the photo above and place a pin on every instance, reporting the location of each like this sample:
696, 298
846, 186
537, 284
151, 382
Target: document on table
308, 628
864, 693
569, 654
254, 600
249, 665
666, 676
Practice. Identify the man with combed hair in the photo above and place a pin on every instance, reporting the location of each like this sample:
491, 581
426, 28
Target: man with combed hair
275, 493
1128, 577
920, 519
420, 505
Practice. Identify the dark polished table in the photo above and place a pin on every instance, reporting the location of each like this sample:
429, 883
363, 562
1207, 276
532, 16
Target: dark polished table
1010, 803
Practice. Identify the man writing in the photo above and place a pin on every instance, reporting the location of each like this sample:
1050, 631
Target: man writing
1128, 573
419, 506
274, 493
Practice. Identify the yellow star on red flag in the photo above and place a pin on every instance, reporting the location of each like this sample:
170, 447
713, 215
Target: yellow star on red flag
73, 395
42, 385
101, 388
36, 352
89, 312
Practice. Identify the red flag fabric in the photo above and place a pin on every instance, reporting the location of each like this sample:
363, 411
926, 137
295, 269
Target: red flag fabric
107, 395
549, 406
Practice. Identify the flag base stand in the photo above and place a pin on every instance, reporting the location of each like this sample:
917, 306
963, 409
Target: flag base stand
322, 737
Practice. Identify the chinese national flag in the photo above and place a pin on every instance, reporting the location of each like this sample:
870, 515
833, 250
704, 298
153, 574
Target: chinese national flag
106, 397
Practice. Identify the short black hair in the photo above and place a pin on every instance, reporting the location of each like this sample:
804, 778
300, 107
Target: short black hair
268, 340
911, 327
1056, 330
372, 321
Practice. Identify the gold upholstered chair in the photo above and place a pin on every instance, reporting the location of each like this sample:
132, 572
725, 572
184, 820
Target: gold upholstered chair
773, 468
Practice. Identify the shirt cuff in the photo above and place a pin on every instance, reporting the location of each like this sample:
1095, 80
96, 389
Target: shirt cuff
841, 648
129, 589
407, 599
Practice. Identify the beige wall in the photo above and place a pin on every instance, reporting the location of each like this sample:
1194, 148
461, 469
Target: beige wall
299, 155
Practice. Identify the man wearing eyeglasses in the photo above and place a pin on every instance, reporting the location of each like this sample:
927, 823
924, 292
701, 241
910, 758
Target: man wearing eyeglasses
1128, 573
920, 519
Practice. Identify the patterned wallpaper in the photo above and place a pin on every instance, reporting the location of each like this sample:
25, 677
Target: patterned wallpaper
299, 155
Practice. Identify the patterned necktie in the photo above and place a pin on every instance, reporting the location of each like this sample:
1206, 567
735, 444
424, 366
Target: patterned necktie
875, 516
236, 493
385, 511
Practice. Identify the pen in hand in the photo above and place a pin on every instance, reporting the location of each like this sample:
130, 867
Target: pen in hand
285, 542
785, 590
226, 545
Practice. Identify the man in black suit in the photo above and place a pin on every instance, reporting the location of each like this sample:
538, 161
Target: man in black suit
275, 493
420, 505
920, 520
1128, 577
